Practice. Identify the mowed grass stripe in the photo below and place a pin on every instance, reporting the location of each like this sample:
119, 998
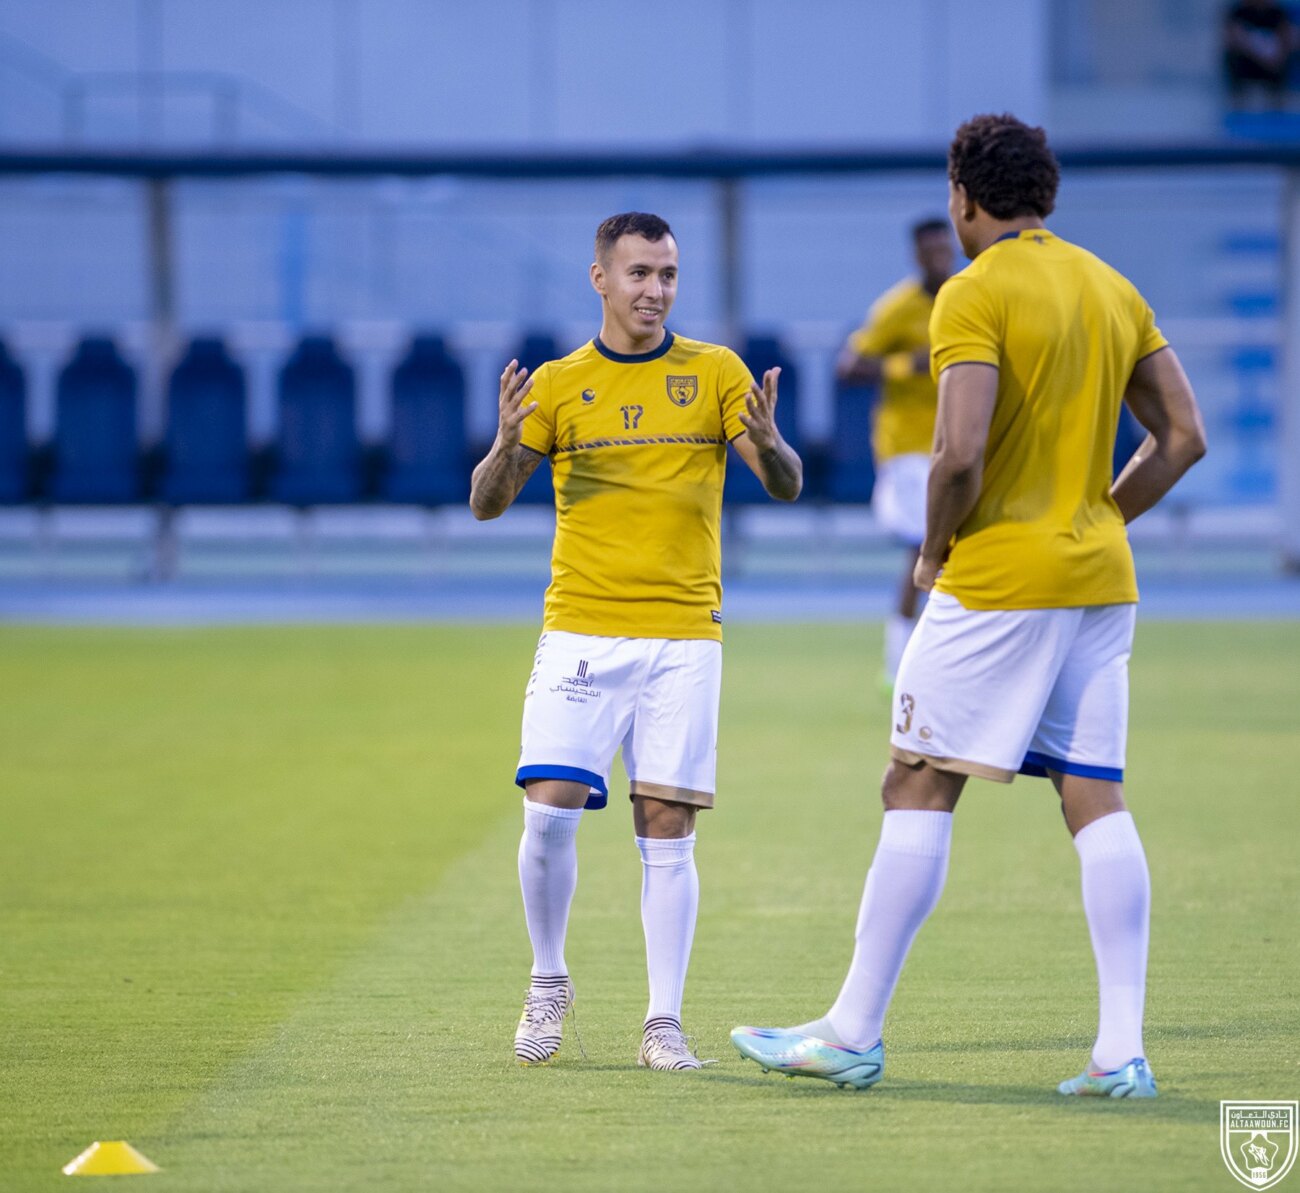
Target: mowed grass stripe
201, 826
389, 1067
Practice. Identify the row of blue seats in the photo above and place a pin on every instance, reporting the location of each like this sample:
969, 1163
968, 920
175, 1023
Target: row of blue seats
317, 457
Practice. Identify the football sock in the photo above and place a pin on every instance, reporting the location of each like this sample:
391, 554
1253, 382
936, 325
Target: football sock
903, 886
542, 982
670, 897
548, 876
898, 629
1117, 902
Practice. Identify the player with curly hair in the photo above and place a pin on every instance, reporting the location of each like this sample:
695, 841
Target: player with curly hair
1019, 663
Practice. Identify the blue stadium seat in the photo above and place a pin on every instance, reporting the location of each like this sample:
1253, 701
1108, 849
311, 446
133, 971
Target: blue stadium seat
207, 428
1252, 414
96, 457
852, 469
318, 454
534, 350
1128, 438
761, 353
13, 429
428, 461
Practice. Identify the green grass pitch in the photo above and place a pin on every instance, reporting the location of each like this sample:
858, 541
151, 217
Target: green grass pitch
259, 916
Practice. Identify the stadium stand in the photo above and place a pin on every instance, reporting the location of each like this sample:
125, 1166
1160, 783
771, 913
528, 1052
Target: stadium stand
1253, 419
206, 447
760, 353
535, 349
96, 459
318, 453
851, 471
14, 467
428, 458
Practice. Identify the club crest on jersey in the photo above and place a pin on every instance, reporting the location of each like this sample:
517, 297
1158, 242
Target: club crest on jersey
682, 390
588, 396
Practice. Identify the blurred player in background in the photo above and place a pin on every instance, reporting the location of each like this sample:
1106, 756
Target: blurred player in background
636, 425
892, 349
1020, 660
1259, 41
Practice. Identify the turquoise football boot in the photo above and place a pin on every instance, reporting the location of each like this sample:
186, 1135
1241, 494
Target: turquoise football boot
1133, 1080
783, 1050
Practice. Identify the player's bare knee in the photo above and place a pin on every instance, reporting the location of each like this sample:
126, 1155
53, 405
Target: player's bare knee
919, 787
556, 793
661, 819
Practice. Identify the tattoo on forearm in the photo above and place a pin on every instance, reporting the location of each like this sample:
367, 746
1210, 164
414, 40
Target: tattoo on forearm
498, 479
782, 471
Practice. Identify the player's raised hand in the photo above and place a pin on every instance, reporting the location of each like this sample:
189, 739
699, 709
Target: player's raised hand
515, 388
760, 415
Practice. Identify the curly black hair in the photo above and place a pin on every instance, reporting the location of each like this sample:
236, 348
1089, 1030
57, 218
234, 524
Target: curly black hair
1006, 166
629, 223
934, 223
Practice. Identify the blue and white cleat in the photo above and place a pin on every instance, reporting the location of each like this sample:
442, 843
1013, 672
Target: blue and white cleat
782, 1050
1133, 1080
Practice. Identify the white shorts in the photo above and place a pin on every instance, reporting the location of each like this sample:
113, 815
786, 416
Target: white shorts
898, 500
655, 697
996, 692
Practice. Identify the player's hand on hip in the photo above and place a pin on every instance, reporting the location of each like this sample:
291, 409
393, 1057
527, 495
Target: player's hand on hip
926, 572
759, 415
516, 385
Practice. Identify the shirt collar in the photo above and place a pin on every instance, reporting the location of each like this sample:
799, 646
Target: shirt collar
636, 358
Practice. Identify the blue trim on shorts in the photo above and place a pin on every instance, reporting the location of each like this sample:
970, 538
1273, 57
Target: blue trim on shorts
599, 796
1037, 764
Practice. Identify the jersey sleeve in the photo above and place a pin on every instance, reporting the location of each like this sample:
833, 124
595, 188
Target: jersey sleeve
1149, 338
877, 335
964, 326
538, 431
734, 382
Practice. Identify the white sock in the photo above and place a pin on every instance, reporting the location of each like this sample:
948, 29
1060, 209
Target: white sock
1117, 902
670, 897
903, 885
898, 629
548, 876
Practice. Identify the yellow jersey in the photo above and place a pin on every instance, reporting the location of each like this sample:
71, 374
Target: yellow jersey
1064, 330
899, 322
637, 446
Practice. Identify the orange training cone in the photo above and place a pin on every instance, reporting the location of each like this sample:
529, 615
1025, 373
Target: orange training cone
109, 1159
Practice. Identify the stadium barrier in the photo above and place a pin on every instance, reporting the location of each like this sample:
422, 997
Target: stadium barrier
1251, 354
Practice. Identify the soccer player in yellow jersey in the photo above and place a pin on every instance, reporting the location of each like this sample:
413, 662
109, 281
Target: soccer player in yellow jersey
892, 349
1020, 659
636, 425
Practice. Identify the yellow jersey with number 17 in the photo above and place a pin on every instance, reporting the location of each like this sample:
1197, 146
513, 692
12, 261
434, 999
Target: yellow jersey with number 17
1064, 331
637, 446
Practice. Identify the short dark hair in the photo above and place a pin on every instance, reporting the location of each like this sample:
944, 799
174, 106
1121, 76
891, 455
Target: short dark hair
1006, 166
629, 223
933, 223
